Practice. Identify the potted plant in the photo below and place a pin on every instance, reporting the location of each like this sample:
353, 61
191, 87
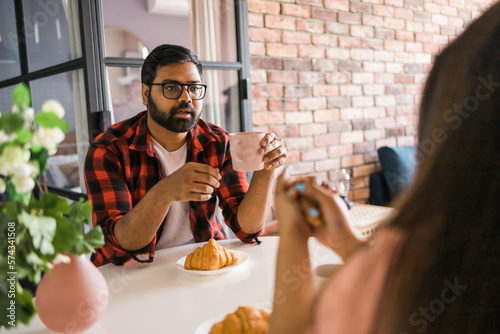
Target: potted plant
37, 228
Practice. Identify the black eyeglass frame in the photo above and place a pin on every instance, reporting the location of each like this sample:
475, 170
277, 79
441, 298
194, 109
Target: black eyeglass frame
162, 84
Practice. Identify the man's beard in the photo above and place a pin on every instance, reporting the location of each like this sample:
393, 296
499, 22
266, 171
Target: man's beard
169, 121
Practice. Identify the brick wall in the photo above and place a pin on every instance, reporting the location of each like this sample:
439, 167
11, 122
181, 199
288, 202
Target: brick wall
338, 79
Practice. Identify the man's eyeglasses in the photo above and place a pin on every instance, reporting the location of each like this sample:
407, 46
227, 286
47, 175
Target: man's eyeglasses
173, 91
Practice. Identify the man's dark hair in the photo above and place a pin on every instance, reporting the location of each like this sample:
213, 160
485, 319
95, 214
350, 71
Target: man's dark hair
167, 54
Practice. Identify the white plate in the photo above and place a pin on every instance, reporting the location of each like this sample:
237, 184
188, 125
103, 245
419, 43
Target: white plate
206, 326
242, 257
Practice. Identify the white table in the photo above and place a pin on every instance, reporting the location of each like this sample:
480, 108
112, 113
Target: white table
160, 298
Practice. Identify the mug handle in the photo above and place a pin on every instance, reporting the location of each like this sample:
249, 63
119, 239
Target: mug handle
236, 144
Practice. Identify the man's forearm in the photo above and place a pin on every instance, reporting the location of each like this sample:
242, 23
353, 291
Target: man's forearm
138, 227
254, 208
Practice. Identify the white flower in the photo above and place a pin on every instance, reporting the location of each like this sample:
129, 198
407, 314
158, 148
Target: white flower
35, 168
4, 137
3, 186
49, 138
29, 114
15, 153
25, 169
15, 109
23, 184
54, 107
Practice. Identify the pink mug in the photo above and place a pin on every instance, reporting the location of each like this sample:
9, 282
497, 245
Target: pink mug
244, 147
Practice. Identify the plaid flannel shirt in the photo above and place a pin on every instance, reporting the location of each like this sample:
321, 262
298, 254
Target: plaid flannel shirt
121, 166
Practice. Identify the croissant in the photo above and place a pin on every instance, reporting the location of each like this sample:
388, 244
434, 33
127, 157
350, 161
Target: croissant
211, 256
246, 320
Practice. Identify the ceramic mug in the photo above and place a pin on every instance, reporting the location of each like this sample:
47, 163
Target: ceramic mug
244, 147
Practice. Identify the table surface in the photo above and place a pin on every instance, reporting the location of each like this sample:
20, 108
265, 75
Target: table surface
159, 297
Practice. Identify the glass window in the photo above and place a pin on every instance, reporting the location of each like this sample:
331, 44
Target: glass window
52, 32
68, 89
123, 43
125, 88
190, 23
222, 102
9, 51
6, 98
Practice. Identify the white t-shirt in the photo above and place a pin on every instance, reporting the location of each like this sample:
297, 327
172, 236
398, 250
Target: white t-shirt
177, 230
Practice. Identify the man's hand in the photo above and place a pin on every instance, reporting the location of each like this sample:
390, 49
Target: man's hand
274, 151
192, 182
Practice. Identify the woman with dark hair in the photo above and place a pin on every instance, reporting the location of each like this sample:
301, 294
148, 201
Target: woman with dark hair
436, 267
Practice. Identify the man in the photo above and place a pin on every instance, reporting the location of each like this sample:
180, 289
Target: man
154, 179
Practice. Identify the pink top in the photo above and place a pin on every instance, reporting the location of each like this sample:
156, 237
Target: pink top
349, 300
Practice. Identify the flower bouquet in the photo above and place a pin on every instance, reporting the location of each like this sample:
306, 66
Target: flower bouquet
37, 228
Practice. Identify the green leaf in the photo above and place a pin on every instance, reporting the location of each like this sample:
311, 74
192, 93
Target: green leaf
42, 231
95, 237
54, 205
50, 120
65, 236
42, 155
10, 122
24, 136
21, 96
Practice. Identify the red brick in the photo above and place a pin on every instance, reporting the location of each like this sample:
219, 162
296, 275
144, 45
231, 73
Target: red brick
337, 4
350, 42
327, 115
311, 26
394, 23
269, 7
405, 35
299, 117
383, 10
384, 33
356, 90
349, 18
323, 40
257, 49
324, 65
295, 10
302, 168
258, 76
263, 118
337, 28
374, 134
372, 20
267, 91
313, 129
338, 102
384, 123
351, 137
364, 148
298, 143
386, 78
264, 35
362, 31
279, 22
297, 91
339, 150
337, 78
324, 14
259, 105
283, 105
314, 154
294, 37
327, 164
311, 52
281, 50
402, 13
287, 77
337, 53
360, 102
297, 64
312, 103
365, 170
311, 78
267, 63
255, 20
317, 3
385, 142
353, 160
325, 90
376, 112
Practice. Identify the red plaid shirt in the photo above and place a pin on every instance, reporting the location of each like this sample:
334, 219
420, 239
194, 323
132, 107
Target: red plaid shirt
121, 166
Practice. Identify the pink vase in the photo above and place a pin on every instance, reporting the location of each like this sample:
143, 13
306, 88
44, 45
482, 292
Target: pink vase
72, 297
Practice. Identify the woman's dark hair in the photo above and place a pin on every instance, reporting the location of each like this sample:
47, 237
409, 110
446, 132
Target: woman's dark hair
445, 274
167, 54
